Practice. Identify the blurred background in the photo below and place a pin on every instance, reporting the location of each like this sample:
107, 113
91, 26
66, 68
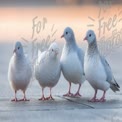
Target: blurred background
16, 17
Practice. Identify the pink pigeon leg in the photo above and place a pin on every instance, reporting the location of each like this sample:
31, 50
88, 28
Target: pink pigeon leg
94, 98
24, 98
103, 97
15, 98
69, 94
77, 93
50, 97
42, 98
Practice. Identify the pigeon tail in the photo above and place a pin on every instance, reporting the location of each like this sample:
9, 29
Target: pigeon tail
115, 87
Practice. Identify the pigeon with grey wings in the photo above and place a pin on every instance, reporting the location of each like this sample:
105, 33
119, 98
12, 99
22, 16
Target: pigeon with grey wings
97, 70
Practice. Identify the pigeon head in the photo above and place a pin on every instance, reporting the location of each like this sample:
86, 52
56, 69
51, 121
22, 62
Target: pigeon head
68, 34
18, 50
90, 36
53, 50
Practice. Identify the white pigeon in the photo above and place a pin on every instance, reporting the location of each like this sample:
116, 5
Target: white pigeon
19, 72
97, 70
72, 61
47, 69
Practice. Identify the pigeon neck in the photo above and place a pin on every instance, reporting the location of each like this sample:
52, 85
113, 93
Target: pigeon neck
92, 48
19, 56
71, 44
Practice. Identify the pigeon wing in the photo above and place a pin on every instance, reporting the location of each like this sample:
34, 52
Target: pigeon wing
110, 78
81, 56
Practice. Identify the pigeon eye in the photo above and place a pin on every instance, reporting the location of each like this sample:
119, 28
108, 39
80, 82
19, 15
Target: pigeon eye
66, 32
89, 35
18, 48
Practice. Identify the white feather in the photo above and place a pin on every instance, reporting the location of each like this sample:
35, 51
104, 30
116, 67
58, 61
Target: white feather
71, 67
95, 73
47, 71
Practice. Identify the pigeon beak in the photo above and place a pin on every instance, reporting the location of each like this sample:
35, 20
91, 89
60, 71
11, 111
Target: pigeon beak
62, 36
85, 39
14, 50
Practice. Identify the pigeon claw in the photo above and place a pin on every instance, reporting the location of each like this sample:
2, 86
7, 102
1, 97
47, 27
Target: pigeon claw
93, 100
14, 100
77, 95
24, 99
43, 99
50, 98
102, 100
68, 95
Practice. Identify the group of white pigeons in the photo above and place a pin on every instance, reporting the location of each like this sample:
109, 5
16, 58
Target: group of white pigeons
75, 66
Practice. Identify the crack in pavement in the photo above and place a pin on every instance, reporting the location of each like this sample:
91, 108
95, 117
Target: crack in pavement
76, 102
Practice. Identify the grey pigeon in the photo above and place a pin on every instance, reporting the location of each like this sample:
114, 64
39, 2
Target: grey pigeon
97, 70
